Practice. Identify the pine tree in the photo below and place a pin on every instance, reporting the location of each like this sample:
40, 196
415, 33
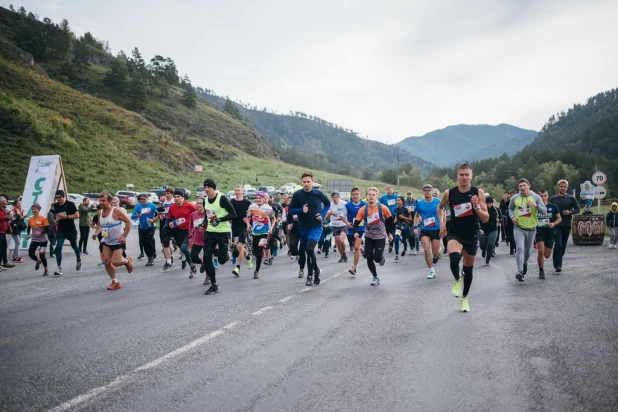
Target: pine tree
137, 92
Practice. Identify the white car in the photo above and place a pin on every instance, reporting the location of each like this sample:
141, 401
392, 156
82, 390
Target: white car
152, 197
75, 198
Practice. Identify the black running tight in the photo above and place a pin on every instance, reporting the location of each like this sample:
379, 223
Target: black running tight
32, 252
84, 234
309, 250
374, 251
195, 254
258, 251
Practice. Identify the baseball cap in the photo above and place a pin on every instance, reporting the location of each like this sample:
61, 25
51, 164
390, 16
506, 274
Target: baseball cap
334, 193
427, 186
60, 193
179, 192
489, 199
210, 183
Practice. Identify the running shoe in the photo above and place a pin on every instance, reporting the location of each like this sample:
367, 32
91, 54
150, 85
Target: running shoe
100, 264
150, 262
78, 266
236, 271
558, 269
234, 260
519, 276
465, 306
58, 272
382, 262
129, 264
484, 253
38, 265
115, 285
267, 262
316, 280
301, 273
167, 267
256, 275
456, 288
487, 263
45, 273
345, 257
309, 281
249, 263
206, 281
341, 260
352, 271
193, 272
432, 274
18, 260
375, 281
184, 264
141, 256
319, 251
541, 274
403, 253
212, 289
390, 249
396, 257
215, 264
414, 252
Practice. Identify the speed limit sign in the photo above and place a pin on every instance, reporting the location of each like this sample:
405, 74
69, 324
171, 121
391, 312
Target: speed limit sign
599, 178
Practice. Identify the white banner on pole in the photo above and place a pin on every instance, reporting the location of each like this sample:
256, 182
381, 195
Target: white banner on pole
45, 176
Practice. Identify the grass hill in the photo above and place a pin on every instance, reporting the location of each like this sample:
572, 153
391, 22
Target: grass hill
454, 144
301, 139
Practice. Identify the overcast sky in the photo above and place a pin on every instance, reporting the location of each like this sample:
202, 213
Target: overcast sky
389, 69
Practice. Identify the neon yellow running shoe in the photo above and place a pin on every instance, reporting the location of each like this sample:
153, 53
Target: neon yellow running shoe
249, 264
465, 307
457, 288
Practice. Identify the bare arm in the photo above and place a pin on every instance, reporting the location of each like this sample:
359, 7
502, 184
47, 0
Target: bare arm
481, 211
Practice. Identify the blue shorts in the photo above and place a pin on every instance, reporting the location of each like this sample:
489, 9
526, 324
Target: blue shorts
310, 234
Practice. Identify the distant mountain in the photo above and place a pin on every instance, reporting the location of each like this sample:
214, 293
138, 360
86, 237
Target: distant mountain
453, 144
299, 138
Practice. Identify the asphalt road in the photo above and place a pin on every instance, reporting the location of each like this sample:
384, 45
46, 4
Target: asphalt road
160, 344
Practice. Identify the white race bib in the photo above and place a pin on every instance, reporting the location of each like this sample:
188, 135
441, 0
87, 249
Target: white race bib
398, 232
104, 232
328, 237
146, 211
429, 222
262, 242
391, 202
211, 214
524, 211
197, 222
180, 221
373, 217
543, 223
410, 209
464, 209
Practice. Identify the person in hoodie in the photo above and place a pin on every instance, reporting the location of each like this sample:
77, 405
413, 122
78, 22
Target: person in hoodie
611, 220
523, 210
146, 212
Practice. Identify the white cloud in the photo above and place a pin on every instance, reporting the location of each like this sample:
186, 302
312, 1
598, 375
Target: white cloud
388, 70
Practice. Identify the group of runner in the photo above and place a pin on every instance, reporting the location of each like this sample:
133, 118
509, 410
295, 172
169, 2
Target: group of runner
217, 229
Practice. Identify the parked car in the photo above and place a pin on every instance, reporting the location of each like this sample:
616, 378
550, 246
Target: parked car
288, 188
200, 192
75, 198
230, 194
160, 191
269, 190
250, 194
153, 197
94, 198
128, 198
187, 191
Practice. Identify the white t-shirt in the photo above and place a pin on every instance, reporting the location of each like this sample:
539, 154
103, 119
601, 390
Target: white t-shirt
337, 213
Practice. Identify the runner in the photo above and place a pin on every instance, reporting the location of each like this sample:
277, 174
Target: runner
284, 219
306, 203
66, 213
353, 206
39, 226
196, 237
338, 215
179, 221
219, 213
114, 233
325, 242
379, 224
467, 204
414, 240
165, 233
294, 240
390, 200
402, 226
546, 231
429, 218
504, 212
489, 230
239, 228
568, 207
273, 238
147, 213
523, 210
262, 218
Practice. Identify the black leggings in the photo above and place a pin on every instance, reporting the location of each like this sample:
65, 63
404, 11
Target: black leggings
195, 253
211, 240
294, 235
309, 251
147, 241
32, 252
374, 251
84, 232
258, 251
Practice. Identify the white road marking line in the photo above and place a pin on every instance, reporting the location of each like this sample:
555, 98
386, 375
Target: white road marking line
259, 312
305, 290
78, 400
286, 298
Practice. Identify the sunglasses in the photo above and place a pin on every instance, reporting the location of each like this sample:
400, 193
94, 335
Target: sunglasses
59, 197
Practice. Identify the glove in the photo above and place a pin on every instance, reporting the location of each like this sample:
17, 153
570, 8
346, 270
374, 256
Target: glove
214, 222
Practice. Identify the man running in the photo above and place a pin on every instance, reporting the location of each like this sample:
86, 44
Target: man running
307, 204
66, 213
467, 204
402, 227
262, 218
219, 213
239, 227
338, 215
356, 235
294, 241
389, 199
489, 230
146, 212
196, 236
430, 220
524, 209
568, 207
114, 234
414, 240
379, 224
165, 233
546, 231
179, 221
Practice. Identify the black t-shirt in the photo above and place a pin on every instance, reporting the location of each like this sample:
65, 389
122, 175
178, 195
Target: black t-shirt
65, 225
241, 207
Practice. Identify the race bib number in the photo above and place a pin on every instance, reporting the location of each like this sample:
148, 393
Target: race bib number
146, 211
391, 202
373, 217
328, 237
411, 209
524, 211
134, 223
262, 242
398, 232
37, 232
464, 209
197, 222
167, 209
180, 221
105, 232
543, 223
429, 222
211, 214
295, 217
42, 249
